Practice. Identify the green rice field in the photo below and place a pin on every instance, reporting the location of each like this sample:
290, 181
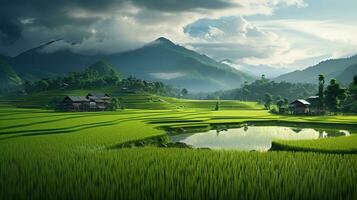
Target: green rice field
53, 155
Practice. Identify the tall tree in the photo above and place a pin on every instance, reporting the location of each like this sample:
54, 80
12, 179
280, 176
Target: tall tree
245, 91
268, 99
43, 84
280, 103
350, 104
353, 89
286, 105
321, 92
333, 95
184, 92
114, 104
216, 108
263, 77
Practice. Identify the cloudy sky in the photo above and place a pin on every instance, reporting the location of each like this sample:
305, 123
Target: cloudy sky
277, 33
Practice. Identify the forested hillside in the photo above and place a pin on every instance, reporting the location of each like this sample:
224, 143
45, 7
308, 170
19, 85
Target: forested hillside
256, 90
333, 68
8, 77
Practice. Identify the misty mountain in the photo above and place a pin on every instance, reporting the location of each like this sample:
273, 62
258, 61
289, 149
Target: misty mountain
173, 64
38, 63
8, 77
257, 71
347, 75
160, 60
334, 68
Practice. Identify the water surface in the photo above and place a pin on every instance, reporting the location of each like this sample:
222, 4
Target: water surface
248, 138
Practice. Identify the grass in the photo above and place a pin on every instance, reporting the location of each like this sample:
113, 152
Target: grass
133, 101
324, 145
53, 155
152, 173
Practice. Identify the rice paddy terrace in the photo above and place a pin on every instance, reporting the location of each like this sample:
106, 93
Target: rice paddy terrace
47, 154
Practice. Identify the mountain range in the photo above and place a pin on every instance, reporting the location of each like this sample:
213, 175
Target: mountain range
163, 60
159, 60
257, 71
343, 69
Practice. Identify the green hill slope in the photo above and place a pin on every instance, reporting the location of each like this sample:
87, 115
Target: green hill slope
8, 77
330, 68
160, 60
132, 101
173, 64
103, 68
347, 75
39, 63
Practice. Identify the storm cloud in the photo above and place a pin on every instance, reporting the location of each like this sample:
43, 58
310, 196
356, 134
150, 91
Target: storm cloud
219, 28
26, 23
123, 23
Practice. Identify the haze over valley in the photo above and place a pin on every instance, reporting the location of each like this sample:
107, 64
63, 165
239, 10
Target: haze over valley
178, 99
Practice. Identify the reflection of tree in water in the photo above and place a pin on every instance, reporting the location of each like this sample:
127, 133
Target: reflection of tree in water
344, 132
219, 130
245, 128
296, 130
322, 134
337, 133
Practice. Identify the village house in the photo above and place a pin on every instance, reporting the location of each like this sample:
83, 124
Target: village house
300, 106
91, 102
73, 103
99, 101
308, 106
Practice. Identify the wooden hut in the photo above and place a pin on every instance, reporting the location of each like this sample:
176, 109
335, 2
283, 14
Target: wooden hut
91, 102
300, 106
101, 101
74, 103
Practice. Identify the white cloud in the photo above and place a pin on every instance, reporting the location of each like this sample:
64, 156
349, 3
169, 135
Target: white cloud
281, 59
276, 43
328, 30
27, 21
327, 39
129, 26
167, 75
240, 40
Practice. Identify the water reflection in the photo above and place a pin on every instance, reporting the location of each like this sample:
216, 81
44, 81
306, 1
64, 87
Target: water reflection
252, 137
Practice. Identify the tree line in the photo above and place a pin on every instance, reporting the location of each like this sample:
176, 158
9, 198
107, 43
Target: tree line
94, 79
255, 91
333, 98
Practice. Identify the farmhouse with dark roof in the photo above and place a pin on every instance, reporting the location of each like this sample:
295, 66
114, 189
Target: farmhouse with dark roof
300, 106
91, 102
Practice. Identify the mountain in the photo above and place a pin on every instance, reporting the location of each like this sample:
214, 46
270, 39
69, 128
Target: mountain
159, 60
38, 63
8, 77
330, 68
257, 71
173, 64
347, 75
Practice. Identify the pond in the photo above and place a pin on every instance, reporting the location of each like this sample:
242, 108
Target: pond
249, 138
